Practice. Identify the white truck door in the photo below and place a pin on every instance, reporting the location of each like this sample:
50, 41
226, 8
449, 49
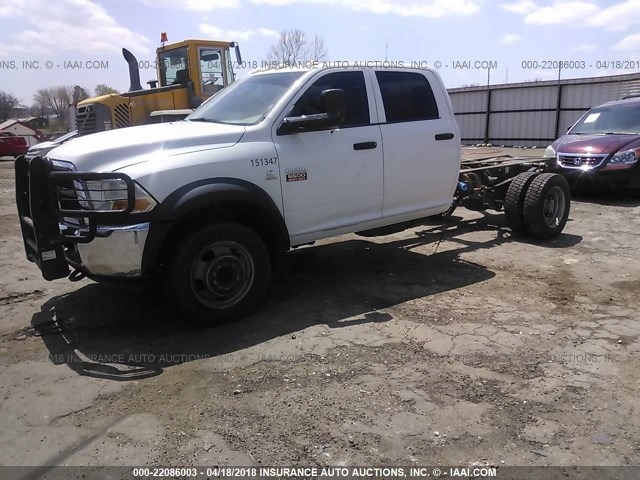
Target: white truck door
331, 178
421, 142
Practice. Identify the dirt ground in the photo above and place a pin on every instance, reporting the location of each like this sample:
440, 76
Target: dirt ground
450, 344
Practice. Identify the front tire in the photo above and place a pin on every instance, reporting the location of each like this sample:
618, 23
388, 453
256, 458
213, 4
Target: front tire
221, 273
546, 205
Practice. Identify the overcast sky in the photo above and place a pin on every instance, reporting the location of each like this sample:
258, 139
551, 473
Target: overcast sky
508, 32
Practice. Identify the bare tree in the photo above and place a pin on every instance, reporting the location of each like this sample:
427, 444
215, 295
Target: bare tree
36, 111
40, 104
103, 89
7, 103
293, 47
318, 49
56, 98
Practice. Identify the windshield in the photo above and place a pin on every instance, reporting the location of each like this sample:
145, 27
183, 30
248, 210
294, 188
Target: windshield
246, 101
609, 120
174, 67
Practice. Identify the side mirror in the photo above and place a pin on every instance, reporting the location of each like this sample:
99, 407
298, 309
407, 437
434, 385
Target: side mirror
334, 105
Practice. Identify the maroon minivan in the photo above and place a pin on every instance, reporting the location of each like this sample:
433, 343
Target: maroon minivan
603, 147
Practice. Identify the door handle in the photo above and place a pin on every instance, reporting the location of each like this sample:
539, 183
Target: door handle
365, 145
444, 136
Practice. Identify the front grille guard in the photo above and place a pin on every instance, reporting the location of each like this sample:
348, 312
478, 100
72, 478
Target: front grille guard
45, 198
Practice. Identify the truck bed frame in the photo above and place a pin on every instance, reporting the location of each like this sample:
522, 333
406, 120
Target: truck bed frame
483, 182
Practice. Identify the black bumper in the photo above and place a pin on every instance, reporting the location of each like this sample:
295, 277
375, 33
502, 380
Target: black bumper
55, 211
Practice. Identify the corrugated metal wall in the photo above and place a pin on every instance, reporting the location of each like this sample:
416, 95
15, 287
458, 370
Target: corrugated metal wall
533, 113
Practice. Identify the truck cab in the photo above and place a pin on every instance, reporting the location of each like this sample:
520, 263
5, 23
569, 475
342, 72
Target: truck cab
206, 63
279, 159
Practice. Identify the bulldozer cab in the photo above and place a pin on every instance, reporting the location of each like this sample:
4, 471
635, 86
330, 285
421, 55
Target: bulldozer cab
188, 73
207, 64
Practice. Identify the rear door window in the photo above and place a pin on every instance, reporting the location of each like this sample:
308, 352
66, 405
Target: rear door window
407, 97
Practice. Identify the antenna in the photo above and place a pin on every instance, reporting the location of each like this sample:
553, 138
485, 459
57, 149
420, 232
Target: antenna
386, 50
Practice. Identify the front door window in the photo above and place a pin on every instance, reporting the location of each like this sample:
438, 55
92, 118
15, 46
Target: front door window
211, 71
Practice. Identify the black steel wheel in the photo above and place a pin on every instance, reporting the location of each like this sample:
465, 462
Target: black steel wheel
547, 205
514, 202
220, 273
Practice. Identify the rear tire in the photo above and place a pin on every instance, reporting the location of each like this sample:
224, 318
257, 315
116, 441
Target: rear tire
514, 202
547, 205
220, 273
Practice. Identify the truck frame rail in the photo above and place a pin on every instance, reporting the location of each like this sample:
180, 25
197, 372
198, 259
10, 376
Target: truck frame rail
483, 182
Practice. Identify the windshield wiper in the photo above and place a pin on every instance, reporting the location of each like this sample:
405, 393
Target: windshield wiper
202, 119
618, 133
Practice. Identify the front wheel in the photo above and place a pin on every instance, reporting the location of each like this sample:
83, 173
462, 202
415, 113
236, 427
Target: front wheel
220, 273
546, 205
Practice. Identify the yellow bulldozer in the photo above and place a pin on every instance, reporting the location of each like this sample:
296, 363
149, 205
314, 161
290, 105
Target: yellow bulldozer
188, 72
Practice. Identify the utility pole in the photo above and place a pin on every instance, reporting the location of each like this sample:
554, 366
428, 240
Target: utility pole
488, 114
558, 103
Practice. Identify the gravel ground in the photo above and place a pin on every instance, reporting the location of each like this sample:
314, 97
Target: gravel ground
451, 344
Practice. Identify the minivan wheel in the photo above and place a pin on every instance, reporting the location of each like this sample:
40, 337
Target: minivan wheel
220, 273
546, 205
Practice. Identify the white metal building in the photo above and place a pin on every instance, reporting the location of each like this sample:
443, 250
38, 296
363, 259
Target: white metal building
533, 113
31, 135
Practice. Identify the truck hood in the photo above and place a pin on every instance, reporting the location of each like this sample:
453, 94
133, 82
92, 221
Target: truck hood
595, 144
117, 149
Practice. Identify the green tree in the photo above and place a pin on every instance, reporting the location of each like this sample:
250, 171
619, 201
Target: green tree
103, 89
79, 94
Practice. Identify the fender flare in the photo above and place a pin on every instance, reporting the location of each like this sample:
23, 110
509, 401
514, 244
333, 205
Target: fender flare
197, 195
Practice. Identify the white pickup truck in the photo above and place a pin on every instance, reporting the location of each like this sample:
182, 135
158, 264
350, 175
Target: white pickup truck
279, 159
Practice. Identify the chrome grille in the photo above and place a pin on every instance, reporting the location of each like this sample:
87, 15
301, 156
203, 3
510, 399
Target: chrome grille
580, 161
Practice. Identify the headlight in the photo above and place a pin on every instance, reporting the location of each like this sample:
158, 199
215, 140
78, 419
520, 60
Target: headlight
111, 195
549, 152
144, 202
625, 158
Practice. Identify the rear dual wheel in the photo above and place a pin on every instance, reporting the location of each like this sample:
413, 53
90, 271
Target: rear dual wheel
514, 202
537, 204
546, 206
